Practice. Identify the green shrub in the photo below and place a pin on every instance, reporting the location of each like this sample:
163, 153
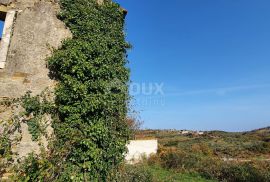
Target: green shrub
240, 173
212, 167
133, 173
233, 172
259, 147
178, 160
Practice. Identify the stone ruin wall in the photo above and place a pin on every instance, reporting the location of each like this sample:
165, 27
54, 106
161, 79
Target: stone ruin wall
35, 31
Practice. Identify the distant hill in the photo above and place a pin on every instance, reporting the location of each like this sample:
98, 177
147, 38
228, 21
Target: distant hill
262, 130
220, 155
223, 144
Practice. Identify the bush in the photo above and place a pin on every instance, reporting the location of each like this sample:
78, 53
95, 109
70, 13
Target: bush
261, 147
178, 160
202, 149
153, 160
240, 173
211, 167
132, 173
234, 172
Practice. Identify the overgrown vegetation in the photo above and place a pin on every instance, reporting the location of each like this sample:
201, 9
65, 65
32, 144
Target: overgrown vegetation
91, 129
7, 136
5, 153
145, 172
35, 109
221, 156
91, 99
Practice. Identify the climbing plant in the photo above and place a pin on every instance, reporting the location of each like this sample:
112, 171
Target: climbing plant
36, 107
7, 134
91, 98
92, 95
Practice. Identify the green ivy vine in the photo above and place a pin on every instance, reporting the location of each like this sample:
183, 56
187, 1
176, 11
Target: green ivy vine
7, 137
91, 98
35, 109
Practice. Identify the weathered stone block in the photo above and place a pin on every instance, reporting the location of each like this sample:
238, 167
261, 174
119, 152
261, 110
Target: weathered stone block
6, 2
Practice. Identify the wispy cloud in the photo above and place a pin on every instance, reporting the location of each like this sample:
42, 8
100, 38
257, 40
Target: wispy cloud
217, 91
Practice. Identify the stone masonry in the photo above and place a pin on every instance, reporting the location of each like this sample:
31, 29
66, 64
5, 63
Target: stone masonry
35, 31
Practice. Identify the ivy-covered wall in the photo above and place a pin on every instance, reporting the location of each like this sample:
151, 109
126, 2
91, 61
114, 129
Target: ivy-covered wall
91, 98
36, 32
92, 95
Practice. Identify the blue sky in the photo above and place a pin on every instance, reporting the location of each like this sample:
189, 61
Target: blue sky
1, 27
210, 57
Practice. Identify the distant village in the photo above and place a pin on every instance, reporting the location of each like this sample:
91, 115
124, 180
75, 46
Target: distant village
187, 132
148, 133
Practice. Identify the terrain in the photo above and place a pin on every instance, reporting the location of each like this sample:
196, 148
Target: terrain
209, 156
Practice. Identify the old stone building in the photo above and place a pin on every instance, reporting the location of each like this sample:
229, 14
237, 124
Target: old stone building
31, 30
